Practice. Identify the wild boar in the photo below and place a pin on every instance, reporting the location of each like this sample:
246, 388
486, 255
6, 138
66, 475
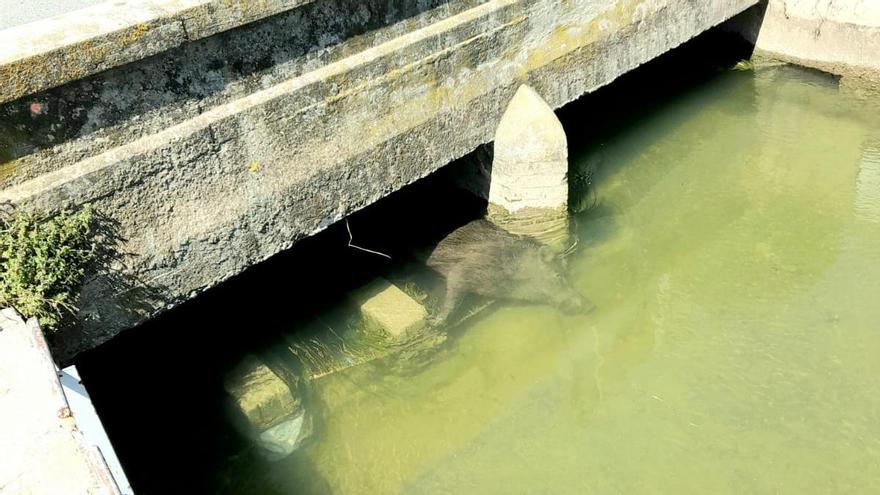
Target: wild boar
483, 259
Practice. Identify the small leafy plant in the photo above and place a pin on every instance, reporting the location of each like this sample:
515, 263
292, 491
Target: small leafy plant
744, 65
43, 263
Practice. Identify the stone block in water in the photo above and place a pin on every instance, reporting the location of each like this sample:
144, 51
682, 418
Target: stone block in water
272, 414
385, 305
282, 439
262, 397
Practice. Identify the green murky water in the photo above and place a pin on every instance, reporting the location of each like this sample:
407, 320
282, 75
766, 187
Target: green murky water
734, 256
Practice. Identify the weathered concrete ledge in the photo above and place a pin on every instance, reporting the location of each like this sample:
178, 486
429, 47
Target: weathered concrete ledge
203, 199
51, 52
841, 36
51, 129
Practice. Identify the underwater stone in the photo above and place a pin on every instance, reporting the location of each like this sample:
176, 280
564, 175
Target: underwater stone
261, 396
382, 303
528, 192
283, 439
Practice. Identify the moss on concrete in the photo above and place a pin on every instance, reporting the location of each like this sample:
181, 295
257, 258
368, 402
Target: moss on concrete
43, 263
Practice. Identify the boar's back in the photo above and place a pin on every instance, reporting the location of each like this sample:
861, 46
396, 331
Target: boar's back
479, 243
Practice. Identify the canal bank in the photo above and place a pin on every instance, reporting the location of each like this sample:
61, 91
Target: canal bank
51, 439
837, 36
865, 178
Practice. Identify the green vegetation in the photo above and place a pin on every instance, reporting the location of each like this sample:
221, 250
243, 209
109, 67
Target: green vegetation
744, 65
414, 291
327, 350
580, 185
43, 263
329, 345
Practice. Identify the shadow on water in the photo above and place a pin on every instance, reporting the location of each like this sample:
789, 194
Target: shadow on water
652, 90
159, 387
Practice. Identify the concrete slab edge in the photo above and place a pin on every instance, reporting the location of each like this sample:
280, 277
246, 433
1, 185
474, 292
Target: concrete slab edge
48, 410
102, 456
57, 187
50, 52
844, 40
85, 171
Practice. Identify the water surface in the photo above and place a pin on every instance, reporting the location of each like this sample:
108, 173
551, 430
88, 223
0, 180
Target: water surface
730, 243
732, 253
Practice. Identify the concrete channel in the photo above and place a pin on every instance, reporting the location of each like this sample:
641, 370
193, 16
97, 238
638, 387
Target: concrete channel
213, 135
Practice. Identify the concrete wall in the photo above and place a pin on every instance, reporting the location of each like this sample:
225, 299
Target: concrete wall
228, 150
838, 36
65, 47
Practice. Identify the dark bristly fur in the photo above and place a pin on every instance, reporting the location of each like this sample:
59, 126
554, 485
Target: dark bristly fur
483, 259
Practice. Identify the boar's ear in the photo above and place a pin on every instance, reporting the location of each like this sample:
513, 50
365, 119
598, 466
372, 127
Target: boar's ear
547, 254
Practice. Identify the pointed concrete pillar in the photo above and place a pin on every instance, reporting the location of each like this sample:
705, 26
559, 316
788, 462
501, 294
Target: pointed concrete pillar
528, 193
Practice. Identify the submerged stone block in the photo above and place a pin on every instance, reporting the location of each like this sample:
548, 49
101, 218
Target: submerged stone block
528, 192
282, 439
261, 396
385, 305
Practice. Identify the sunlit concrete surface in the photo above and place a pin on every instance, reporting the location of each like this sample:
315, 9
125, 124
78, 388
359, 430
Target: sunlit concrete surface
837, 36
16, 12
44, 452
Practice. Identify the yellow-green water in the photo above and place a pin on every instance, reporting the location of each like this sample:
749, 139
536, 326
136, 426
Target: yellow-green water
734, 258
